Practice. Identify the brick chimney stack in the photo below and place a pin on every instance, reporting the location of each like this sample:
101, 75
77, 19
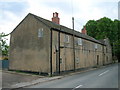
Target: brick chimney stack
84, 31
55, 18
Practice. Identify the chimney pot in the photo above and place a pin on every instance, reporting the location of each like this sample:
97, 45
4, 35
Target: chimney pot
84, 31
55, 18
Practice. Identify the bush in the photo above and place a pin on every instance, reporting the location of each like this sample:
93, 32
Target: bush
5, 58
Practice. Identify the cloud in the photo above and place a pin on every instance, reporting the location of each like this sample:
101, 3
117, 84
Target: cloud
12, 1
13, 11
16, 7
119, 10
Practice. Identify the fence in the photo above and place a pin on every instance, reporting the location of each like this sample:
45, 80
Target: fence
4, 64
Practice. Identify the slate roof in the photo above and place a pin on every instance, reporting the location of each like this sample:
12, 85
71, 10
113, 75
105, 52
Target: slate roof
62, 28
102, 41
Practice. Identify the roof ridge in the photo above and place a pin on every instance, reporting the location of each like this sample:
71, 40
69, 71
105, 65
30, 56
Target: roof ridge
65, 29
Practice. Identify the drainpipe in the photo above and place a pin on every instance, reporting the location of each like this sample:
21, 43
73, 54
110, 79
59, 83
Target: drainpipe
51, 52
103, 56
59, 48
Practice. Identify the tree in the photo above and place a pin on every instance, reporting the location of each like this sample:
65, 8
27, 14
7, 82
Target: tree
117, 38
106, 28
91, 28
3, 45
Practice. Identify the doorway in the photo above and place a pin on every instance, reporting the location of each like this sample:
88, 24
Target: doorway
97, 59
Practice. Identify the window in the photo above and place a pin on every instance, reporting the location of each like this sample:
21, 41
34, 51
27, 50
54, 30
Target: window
96, 46
60, 60
107, 58
40, 32
77, 60
66, 38
79, 41
106, 50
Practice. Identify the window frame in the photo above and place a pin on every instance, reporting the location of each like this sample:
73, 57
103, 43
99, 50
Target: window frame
40, 32
66, 39
96, 46
79, 41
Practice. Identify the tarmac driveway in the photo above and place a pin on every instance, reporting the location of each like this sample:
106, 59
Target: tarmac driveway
10, 78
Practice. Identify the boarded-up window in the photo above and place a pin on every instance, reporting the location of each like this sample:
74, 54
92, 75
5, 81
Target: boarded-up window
40, 32
77, 60
66, 38
96, 46
60, 60
79, 41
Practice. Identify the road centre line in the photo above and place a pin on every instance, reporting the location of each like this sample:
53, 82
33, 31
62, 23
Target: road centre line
103, 73
77, 87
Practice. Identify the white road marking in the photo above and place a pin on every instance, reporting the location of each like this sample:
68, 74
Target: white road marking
77, 87
103, 73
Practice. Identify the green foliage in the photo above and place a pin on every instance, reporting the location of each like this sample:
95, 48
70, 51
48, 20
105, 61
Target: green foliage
3, 45
91, 27
106, 28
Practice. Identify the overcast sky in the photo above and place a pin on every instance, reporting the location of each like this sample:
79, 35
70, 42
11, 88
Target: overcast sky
13, 11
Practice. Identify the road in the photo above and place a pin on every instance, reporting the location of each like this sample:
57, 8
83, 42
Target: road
105, 77
0, 79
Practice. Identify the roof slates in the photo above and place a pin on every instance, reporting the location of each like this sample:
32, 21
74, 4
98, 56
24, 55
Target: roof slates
61, 28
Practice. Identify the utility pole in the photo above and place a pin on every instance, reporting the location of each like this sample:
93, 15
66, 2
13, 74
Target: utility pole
73, 42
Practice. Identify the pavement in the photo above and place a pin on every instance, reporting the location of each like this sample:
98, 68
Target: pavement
20, 80
10, 79
105, 77
34, 82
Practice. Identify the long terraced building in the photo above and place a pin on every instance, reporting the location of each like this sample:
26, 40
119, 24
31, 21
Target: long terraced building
44, 46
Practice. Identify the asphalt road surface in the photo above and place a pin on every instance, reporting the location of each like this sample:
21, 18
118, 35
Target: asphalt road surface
105, 77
